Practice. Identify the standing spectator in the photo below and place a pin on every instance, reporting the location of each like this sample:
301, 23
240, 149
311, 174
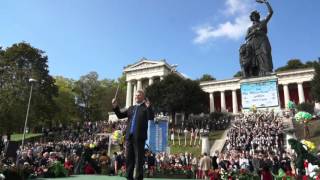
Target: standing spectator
205, 165
194, 165
214, 160
185, 136
191, 136
196, 132
179, 136
104, 162
68, 165
172, 136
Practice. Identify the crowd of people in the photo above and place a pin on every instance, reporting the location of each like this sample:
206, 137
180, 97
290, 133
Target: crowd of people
254, 144
81, 149
257, 132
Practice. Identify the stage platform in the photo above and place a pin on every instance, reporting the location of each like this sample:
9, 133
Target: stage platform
95, 177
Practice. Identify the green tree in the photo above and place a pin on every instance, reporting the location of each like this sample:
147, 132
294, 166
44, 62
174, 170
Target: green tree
85, 89
110, 88
296, 64
315, 83
238, 74
206, 77
175, 94
67, 111
94, 96
18, 63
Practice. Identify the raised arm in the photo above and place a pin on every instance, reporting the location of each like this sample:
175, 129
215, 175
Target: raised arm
269, 10
116, 109
120, 114
150, 112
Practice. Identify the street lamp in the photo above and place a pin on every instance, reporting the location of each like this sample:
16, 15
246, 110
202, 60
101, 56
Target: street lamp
31, 81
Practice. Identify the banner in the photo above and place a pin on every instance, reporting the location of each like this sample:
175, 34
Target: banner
260, 94
157, 136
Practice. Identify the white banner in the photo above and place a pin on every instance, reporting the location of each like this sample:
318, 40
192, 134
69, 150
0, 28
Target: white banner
260, 94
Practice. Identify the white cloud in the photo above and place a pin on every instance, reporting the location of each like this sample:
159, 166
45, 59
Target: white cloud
237, 6
238, 10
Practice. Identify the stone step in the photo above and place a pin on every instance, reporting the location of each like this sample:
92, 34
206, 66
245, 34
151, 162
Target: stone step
219, 144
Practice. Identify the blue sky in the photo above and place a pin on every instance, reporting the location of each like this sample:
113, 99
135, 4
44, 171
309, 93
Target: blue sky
201, 36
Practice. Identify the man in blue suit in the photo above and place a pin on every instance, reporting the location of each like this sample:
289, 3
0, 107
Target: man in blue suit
136, 132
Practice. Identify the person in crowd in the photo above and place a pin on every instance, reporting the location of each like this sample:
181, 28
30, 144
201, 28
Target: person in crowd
172, 136
68, 165
192, 136
205, 165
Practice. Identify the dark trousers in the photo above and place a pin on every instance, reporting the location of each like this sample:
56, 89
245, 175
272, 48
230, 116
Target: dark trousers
135, 158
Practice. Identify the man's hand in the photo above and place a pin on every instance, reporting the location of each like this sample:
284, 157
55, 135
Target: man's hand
147, 102
114, 103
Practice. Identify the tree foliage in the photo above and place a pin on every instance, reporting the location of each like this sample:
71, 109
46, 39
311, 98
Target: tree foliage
18, 64
238, 74
175, 94
94, 96
296, 64
54, 100
206, 77
315, 83
66, 111
307, 107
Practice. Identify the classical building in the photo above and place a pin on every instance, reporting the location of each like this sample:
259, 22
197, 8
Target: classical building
224, 95
144, 73
294, 85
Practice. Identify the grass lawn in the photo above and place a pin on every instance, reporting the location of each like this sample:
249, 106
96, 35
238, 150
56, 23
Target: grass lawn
314, 127
195, 150
176, 149
18, 137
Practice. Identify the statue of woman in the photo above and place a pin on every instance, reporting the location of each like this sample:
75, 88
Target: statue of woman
258, 41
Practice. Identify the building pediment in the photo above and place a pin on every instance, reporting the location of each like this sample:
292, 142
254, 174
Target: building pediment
143, 64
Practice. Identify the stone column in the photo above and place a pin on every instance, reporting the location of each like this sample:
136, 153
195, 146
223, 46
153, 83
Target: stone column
234, 102
300, 92
161, 78
134, 94
286, 95
205, 145
139, 84
129, 94
223, 101
211, 97
150, 81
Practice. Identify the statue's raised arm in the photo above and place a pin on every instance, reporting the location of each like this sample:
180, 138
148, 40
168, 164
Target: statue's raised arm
270, 10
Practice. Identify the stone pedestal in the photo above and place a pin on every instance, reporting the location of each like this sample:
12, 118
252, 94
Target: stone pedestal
205, 144
287, 137
261, 92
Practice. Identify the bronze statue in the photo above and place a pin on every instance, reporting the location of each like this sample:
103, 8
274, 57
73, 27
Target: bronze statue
255, 54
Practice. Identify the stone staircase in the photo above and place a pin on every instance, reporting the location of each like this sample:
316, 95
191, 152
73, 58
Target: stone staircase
218, 145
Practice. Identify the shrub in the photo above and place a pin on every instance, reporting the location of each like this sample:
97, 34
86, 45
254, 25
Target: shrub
307, 107
57, 170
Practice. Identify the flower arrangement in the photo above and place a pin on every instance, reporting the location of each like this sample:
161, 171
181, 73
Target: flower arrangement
116, 136
253, 108
56, 169
310, 145
303, 117
291, 105
242, 174
165, 170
